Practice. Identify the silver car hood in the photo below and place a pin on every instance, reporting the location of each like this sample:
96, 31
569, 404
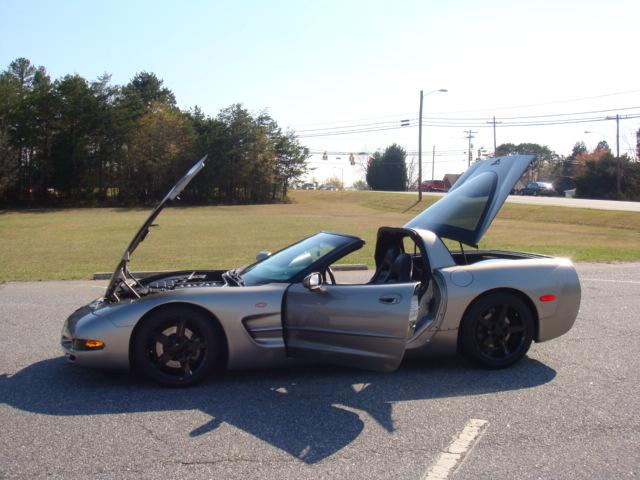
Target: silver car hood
466, 211
120, 273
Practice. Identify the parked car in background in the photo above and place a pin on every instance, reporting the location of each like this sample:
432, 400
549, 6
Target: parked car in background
538, 188
309, 186
328, 187
435, 186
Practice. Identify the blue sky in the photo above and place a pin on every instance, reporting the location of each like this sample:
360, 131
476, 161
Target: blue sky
334, 63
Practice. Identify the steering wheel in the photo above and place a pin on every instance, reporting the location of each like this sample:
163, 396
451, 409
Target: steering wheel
332, 277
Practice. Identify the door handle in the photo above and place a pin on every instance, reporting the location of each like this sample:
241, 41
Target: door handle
390, 299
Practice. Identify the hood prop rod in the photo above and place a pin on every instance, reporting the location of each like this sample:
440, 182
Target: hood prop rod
464, 255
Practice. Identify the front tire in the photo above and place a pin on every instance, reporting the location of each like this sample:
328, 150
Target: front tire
177, 346
497, 330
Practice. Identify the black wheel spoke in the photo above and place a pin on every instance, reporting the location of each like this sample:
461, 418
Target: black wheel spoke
516, 328
505, 348
160, 338
180, 328
488, 344
196, 346
186, 368
502, 314
164, 358
485, 322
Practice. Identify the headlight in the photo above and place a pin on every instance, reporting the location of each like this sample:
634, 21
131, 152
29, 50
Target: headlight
97, 303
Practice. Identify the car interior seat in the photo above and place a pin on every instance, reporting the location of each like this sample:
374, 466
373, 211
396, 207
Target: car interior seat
384, 270
401, 269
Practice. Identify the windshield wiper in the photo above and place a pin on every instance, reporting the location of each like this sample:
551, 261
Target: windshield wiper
234, 276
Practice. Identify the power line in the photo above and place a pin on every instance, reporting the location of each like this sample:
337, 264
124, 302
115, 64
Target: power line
461, 124
413, 120
488, 109
542, 104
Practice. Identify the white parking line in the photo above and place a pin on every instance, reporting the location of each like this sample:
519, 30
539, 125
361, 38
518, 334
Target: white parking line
456, 451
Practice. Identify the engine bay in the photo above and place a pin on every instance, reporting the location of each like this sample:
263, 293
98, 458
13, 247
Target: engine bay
175, 282
131, 287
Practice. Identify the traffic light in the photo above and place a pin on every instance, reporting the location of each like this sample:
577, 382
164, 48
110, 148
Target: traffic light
325, 156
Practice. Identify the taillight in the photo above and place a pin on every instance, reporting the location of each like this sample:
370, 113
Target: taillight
547, 298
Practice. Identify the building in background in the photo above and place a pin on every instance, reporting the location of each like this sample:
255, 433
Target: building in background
451, 178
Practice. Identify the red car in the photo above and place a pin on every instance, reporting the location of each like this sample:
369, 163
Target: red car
435, 186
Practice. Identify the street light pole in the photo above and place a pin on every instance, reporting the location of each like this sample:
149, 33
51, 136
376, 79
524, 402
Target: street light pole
422, 95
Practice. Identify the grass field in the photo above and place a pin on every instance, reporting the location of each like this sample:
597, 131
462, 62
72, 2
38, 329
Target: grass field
72, 244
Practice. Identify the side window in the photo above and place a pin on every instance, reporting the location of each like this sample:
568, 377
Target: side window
410, 246
359, 259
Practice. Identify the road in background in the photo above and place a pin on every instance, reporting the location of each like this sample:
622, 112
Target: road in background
569, 410
559, 202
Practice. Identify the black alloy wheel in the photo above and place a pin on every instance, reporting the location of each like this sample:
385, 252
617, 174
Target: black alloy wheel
497, 330
177, 346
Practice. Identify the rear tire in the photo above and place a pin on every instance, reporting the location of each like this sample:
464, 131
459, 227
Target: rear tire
177, 346
497, 330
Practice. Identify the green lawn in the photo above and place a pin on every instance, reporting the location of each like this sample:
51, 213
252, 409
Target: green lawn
74, 243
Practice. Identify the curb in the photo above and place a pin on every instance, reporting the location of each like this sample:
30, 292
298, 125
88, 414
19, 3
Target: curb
338, 268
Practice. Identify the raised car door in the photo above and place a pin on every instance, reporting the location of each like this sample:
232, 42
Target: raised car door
465, 213
364, 326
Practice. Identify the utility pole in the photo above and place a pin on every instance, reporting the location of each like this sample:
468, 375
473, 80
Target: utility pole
619, 168
618, 163
420, 149
433, 163
494, 134
469, 137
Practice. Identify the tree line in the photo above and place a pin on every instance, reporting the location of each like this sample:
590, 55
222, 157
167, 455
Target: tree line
74, 141
594, 174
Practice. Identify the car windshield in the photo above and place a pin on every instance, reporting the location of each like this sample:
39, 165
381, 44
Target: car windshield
285, 264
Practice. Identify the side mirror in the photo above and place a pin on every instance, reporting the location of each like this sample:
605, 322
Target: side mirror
313, 282
262, 255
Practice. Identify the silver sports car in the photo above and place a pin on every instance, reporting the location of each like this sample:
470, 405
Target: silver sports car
176, 328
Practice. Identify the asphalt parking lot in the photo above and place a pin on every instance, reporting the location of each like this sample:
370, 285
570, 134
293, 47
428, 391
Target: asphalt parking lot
569, 410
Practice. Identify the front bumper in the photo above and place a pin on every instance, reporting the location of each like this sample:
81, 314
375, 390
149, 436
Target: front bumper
84, 324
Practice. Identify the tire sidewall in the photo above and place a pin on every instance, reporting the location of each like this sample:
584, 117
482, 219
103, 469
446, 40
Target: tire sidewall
467, 341
213, 354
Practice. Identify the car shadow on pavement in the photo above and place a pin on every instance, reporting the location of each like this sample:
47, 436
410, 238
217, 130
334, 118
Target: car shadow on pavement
307, 412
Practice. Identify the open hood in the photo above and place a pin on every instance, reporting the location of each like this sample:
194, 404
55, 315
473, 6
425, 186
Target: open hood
121, 273
465, 213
